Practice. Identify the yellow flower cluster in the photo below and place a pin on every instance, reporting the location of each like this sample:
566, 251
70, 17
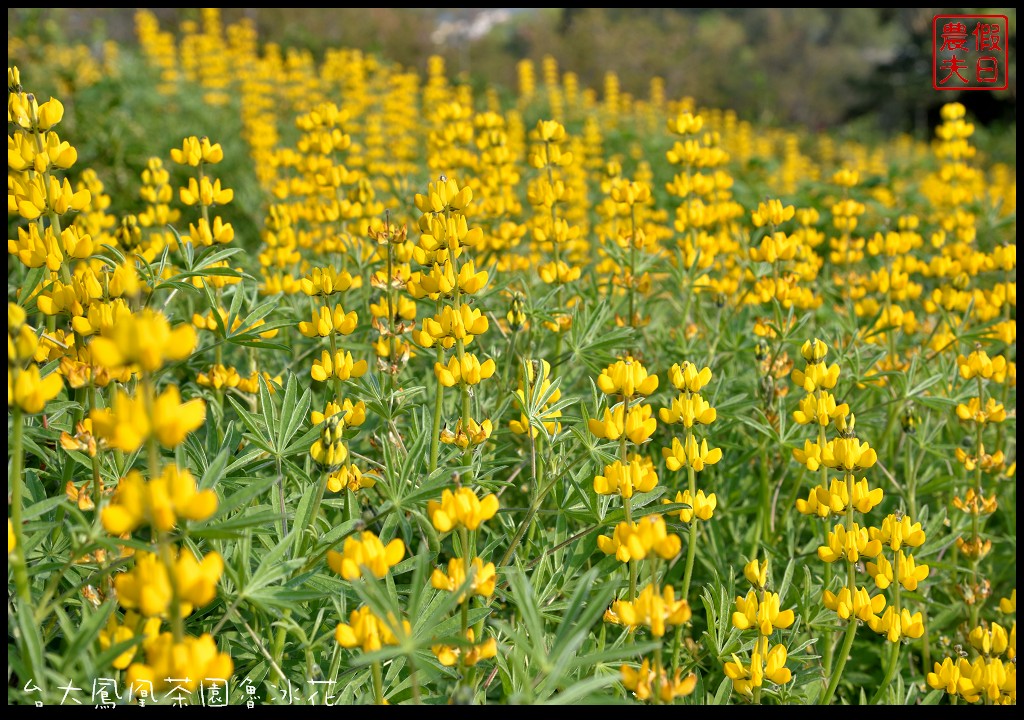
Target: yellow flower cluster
690, 409
159, 502
759, 609
367, 553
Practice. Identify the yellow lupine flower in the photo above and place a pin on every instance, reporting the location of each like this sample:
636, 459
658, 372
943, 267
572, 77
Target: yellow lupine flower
849, 545
775, 247
809, 457
461, 508
12, 540
367, 552
685, 123
352, 414
22, 344
474, 434
351, 477
746, 677
484, 578
145, 339
203, 233
451, 325
633, 541
219, 377
688, 408
205, 193
657, 612
990, 677
329, 450
29, 391
817, 376
993, 640
642, 682
638, 427
772, 212
836, 499
881, 571
849, 454
114, 633
895, 627
103, 318
822, 502
860, 604
439, 280
756, 573
159, 502
341, 365
470, 281
899, 531
972, 410
762, 614
147, 587
701, 506
184, 664
819, 408
173, 420
979, 364
469, 370
327, 281
686, 376
124, 425
326, 322
559, 272
638, 475
946, 676
691, 454
447, 234
1009, 605
197, 581
470, 655
367, 631
814, 351
445, 194
195, 151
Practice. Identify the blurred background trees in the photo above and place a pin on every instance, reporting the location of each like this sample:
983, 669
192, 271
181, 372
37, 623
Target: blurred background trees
819, 67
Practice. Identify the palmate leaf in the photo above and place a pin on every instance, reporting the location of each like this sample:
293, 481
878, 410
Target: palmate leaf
569, 666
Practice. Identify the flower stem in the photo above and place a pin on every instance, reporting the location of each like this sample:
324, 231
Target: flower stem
378, 683
18, 558
889, 673
844, 653
691, 547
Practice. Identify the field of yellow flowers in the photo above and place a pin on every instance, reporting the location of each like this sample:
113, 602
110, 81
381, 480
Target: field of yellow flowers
332, 382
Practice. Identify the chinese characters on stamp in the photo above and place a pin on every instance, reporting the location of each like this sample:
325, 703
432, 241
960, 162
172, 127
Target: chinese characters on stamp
969, 52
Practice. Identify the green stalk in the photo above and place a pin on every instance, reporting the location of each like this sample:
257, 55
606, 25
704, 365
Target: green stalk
851, 628
18, 558
537, 470
311, 525
895, 654
392, 348
378, 683
414, 680
851, 631
279, 638
975, 607
435, 436
632, 265
889, 673
911, 479
827, 640
691, 548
